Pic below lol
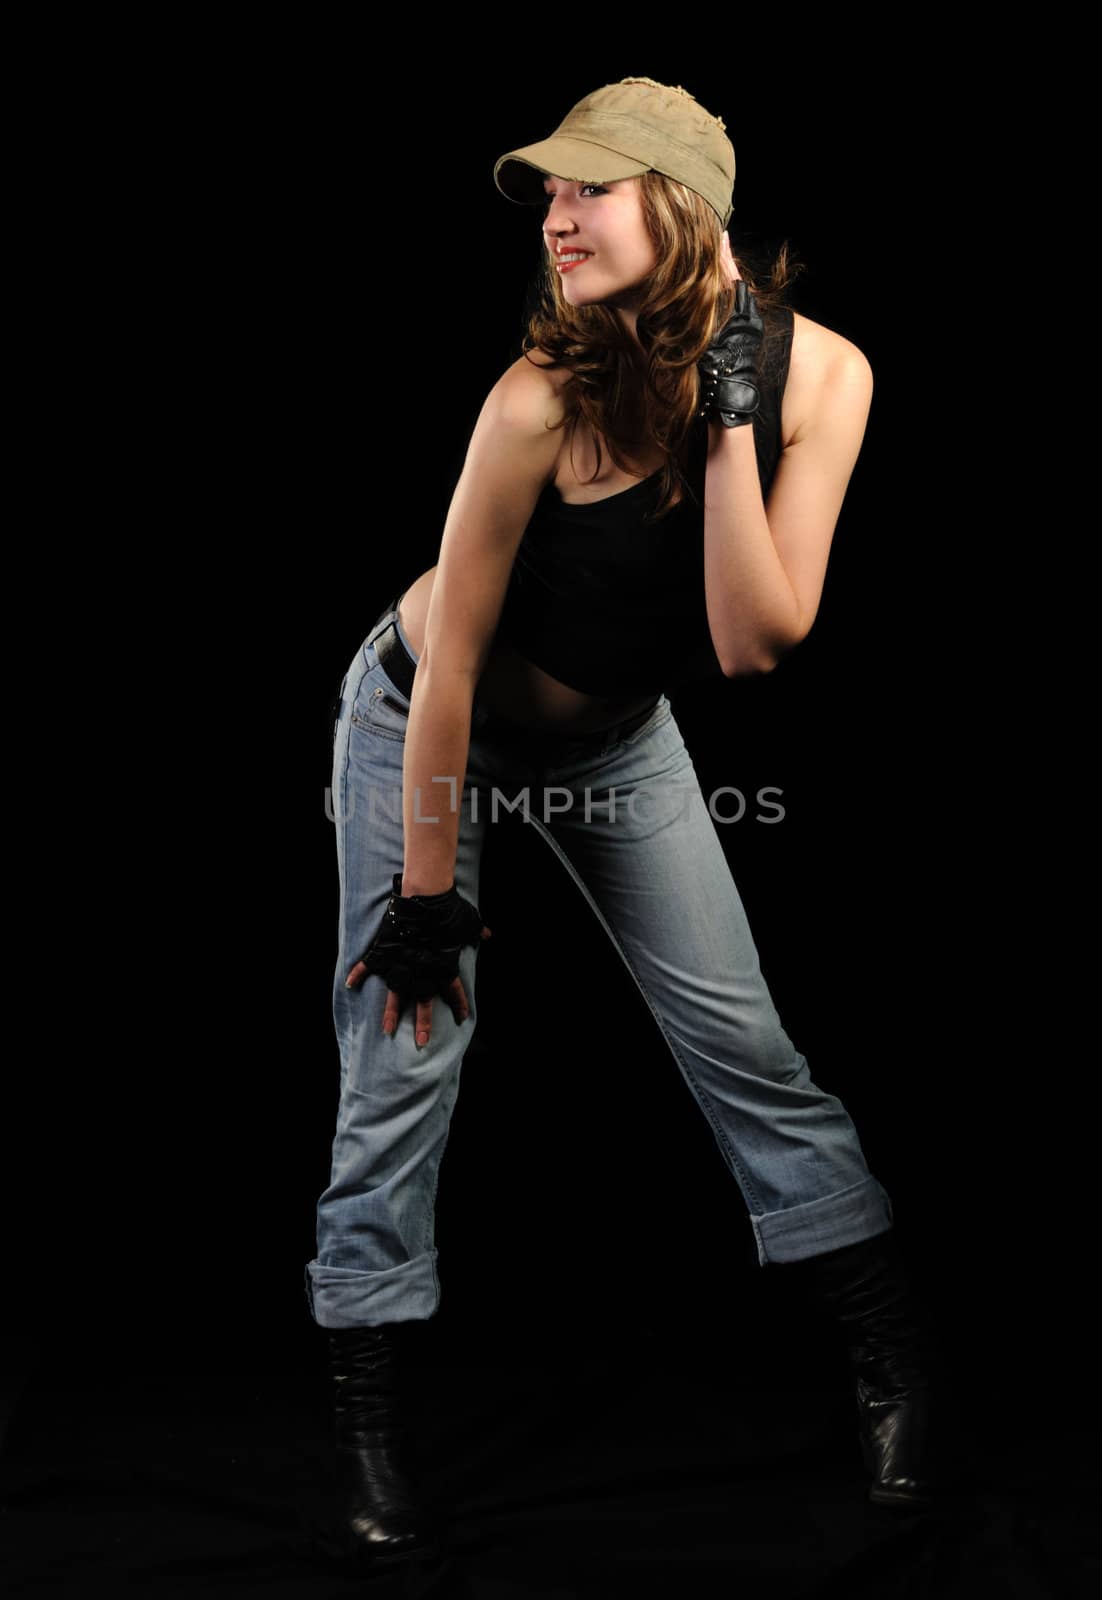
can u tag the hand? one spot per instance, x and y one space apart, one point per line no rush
729 262
729 367
416 950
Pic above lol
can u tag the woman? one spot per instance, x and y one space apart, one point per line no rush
648 497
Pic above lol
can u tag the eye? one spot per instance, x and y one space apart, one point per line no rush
547 198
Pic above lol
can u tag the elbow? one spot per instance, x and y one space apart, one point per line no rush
752 664
774 650
749 667
766 658
773 655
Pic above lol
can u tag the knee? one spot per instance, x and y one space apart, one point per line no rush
770 1053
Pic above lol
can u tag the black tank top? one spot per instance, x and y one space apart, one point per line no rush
611 604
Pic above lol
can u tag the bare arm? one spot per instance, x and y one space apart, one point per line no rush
765 569
510 457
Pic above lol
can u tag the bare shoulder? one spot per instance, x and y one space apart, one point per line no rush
533 385
816 348
825 370
518 420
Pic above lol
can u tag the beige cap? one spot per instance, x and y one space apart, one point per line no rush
622 130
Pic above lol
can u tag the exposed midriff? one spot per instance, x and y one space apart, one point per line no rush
512 686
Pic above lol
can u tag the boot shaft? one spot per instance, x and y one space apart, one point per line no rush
867 1291
382 1514
364 1372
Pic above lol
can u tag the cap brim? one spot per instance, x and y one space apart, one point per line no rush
520 174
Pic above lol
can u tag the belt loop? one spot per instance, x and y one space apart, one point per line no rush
381 622
610 738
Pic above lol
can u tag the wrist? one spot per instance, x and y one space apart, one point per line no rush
730 440
406 886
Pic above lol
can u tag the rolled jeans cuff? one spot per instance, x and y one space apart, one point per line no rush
342 1297
839 1219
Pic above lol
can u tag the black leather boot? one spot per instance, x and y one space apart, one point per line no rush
865 1288
382 1520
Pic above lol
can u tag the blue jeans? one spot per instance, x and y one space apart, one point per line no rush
627 819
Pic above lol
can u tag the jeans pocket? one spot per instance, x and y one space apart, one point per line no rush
379 707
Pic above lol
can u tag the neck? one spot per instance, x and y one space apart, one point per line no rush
627 316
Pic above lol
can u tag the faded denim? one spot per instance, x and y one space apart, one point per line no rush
649 862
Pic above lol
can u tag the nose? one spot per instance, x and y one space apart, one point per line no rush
557 219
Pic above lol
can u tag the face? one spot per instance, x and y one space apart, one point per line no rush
606 221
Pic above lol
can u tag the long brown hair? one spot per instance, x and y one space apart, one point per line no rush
686 302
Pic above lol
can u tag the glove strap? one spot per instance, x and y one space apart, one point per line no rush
732 401
429 901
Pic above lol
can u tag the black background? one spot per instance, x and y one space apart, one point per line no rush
346 285
370 289
330 284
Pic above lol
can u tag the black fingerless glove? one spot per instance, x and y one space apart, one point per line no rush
728 368
417 946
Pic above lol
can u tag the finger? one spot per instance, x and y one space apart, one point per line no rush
356 976
487 934
457 999
393 1011
424 1021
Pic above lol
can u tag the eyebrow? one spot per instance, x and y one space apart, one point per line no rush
604 182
